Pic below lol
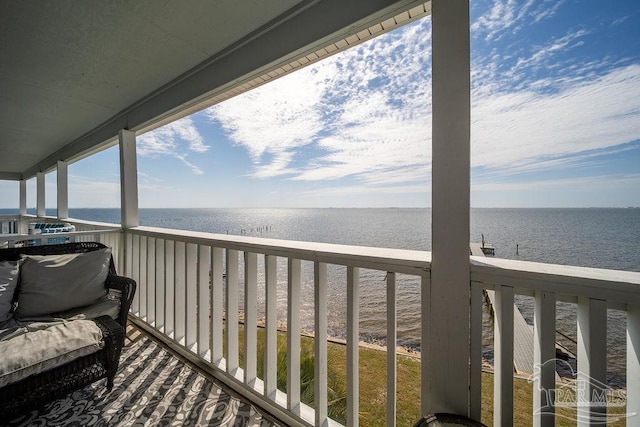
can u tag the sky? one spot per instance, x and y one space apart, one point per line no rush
555 123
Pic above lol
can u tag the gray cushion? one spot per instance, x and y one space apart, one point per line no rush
55 283
104 306
9 271
44 349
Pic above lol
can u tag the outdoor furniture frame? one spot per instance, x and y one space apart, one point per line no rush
37 390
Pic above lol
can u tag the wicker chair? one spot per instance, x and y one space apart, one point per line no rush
37 390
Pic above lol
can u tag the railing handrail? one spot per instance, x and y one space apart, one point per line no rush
613 286
21 237
386 259
75 221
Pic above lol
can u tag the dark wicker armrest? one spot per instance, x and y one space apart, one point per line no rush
126 287
113 336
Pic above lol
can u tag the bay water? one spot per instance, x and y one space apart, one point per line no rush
590 237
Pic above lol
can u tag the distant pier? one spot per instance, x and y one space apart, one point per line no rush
522 331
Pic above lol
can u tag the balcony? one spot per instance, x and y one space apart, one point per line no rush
113 72
203 294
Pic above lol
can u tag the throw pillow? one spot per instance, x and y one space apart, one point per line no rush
9 271
54 283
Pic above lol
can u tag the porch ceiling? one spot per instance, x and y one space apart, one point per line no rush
72 73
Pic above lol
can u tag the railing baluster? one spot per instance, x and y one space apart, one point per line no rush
320 362
271 327
231 305
133 266
143 277
204 258
425 336
179 292
544 353
633 359
503 357
160 286
170 288
293 335
151 281
217 304
475 391
191 289
353 345
250 317
592 361
392 339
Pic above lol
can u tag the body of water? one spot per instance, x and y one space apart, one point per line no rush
601 238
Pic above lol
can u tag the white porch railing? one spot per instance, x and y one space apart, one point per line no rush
593 292
183 294
190 286
86 231
188 290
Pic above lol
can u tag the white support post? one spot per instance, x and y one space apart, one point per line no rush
128 179
204 307
159 288
544 353
446 313
40 200
353 345
392 339
191 297
23 197
217 304
63 190
151 281
475 388
503 357
271 327
179 292
294 269
250 317
231 305
320 363
592 361
23 224
633 362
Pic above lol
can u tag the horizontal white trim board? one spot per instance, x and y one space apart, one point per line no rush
385 259
613 286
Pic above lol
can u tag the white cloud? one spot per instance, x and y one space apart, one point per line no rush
591 182
365 114
544 52
275 119
503 15
174 140
518 129
359 113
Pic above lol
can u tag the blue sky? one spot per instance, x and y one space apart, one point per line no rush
555 123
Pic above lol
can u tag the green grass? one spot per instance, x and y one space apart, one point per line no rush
373 387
